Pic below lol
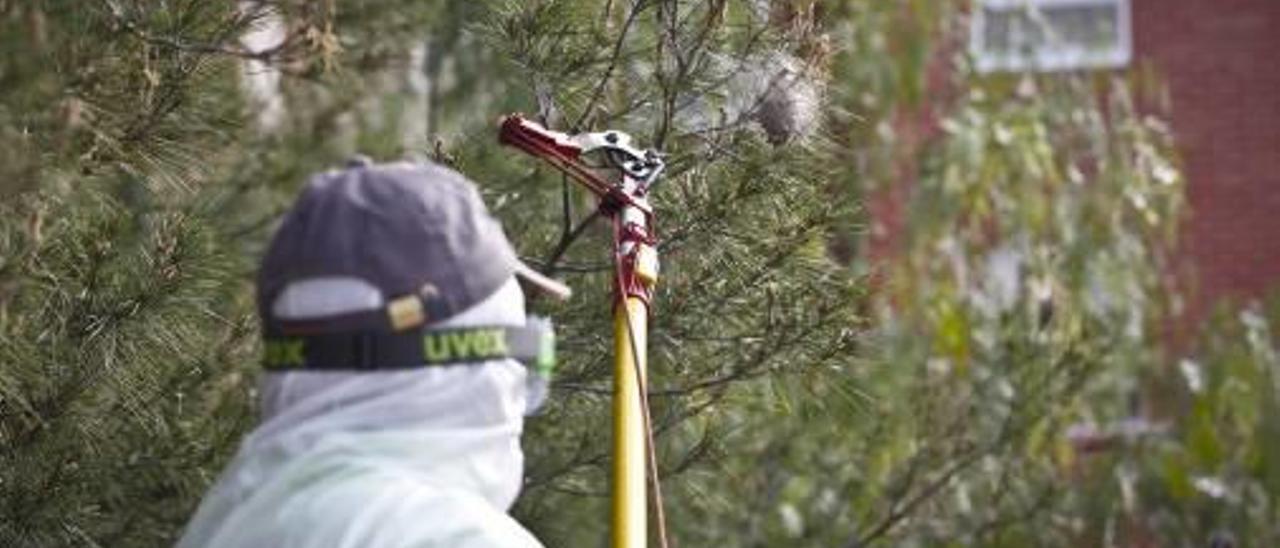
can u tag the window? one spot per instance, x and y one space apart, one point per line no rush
1050 35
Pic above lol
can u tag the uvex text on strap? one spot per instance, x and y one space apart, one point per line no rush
533 345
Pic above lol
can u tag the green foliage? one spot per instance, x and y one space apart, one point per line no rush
1016 386
116 382
1213 475
1018 312
1019 305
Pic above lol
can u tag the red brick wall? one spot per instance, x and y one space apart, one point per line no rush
1221 62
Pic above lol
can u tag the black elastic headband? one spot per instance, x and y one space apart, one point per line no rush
533 345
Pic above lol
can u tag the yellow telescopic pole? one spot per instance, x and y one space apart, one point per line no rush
637 273
629 497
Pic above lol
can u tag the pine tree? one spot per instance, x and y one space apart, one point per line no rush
134 197
752 309
118 320
130 236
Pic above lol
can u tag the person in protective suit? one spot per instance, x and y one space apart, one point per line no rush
399 366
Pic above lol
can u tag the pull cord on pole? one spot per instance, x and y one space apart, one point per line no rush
631 314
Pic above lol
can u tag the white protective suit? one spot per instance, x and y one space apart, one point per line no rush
419 458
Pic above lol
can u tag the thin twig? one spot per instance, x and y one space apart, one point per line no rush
614 57
550 266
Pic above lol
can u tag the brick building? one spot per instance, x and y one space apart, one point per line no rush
1220 61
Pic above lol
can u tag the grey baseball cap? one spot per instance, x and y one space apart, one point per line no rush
418 232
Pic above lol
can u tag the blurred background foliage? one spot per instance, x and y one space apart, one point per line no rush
903 303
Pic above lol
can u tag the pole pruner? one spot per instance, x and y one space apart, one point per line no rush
621 183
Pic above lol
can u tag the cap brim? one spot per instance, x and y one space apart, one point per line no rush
546 284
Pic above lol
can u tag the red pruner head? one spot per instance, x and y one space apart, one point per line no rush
558 149
536 140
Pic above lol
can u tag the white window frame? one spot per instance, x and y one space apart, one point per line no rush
1052 58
